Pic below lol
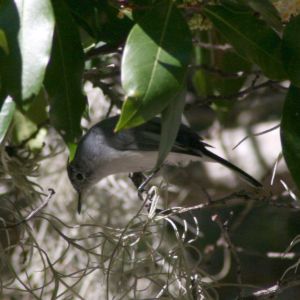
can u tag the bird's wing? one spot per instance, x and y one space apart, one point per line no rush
147 138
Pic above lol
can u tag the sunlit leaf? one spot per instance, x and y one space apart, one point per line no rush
28 26
64 76
154 65
290 132
26 133
6 115
291 50
23 128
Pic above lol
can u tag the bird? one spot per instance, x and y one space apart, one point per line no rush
102 152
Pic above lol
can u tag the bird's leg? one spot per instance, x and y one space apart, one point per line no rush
147 179
138 178
142 188
140 181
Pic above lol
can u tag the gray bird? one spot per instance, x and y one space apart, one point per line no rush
102 152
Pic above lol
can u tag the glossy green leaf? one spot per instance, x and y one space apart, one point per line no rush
6 115
154 65
250 36
290 132
64 76
267 11
171 120
3 42
29 29
291 50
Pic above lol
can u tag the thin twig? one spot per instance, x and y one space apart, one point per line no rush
33 213
231 246
102 50
115 249
210 98
273 291
255 134
221 73
223 47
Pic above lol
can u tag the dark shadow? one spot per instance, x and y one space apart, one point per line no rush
11 63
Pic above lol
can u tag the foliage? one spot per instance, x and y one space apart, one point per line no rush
167 57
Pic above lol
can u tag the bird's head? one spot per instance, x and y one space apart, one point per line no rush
85 168
80 176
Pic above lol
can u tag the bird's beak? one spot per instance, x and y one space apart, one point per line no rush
79 203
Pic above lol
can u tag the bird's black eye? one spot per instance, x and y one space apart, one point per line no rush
79 176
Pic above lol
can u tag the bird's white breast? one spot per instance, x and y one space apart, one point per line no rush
141 161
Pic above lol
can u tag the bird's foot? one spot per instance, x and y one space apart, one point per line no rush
147 179
141 181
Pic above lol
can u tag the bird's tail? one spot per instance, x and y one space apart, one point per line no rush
242 174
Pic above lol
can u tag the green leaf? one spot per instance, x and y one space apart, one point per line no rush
72 150
251 37
3 42
101 20
26 132
201 81
37 112
23 127
216 75
267 11
112 29
171 120
29 29
11 64
229 63
290 132
291 50
6 115
154 65
64 76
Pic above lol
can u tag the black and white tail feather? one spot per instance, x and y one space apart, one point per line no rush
242 174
